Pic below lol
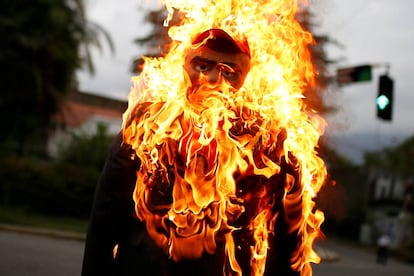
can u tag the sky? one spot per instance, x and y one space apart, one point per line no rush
375 32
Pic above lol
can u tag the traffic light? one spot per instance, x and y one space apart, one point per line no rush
384 99
354 74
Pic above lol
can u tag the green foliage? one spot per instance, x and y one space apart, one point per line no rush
86 150
40 50
22 216
40 54
63 188
343 197
44 187
396 159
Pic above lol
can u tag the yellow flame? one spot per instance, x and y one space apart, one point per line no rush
115 251
192 146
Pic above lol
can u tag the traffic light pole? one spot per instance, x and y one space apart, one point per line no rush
361 73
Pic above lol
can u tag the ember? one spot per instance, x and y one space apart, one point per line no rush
218 164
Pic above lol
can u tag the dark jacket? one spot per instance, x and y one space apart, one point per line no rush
113 222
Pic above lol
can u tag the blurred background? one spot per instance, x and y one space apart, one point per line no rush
66 75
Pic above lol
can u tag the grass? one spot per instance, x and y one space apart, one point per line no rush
21 216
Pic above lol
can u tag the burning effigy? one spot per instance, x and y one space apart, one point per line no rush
224 164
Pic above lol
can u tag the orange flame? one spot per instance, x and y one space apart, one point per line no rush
209 159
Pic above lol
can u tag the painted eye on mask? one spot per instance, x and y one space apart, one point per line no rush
202 66
228 72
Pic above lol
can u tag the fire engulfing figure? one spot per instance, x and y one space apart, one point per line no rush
220 166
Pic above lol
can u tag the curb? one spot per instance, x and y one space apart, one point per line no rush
326 255
43 232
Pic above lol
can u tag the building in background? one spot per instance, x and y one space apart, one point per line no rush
82 113
390 208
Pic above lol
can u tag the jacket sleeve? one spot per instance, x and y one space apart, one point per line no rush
113 210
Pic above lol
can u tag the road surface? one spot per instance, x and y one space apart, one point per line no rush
356 261
33 255
41 255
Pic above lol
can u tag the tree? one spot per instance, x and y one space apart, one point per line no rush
157 41
397 159
88 151
43 43
320 60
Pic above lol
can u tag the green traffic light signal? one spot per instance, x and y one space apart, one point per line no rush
384 101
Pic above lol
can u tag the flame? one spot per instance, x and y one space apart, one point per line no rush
115 251
213 157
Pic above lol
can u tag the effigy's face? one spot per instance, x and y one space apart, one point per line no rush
204 65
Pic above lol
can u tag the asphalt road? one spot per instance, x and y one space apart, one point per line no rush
34 255
355 261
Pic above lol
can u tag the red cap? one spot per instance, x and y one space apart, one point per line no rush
220 41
